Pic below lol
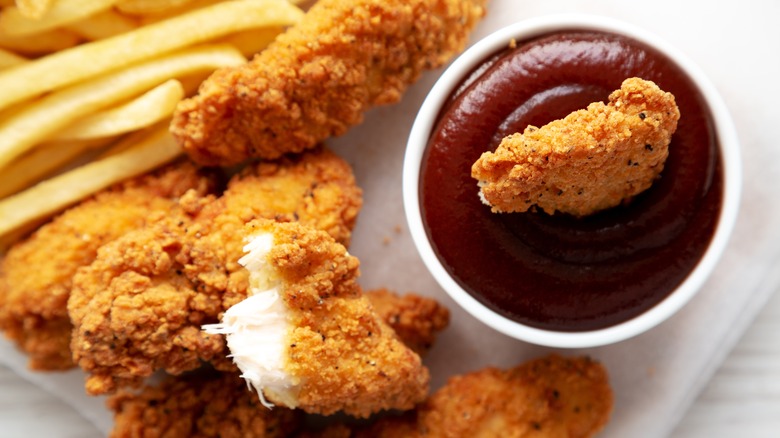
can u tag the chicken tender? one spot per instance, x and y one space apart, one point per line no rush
319 77
140 305
306 337
549 397
199 405
591 160
36 273
416 320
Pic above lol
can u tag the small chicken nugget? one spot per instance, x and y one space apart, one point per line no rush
551 396
198 406
591 160
415 319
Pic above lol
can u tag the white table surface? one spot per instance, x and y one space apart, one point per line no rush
738 45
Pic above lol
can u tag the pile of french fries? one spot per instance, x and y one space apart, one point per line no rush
88 87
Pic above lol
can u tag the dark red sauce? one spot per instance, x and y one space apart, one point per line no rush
558 272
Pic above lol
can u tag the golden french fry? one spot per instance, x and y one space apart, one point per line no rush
63 190
40 119
15 23
103 25
133 139
42 162
145 110
10 59
40 44
34 9
251 42
193 5
88 60
143 7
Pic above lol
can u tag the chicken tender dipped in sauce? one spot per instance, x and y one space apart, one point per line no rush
591 160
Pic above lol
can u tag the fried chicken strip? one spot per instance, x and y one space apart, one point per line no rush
319 77
306 337
552 397
591 160
140 305
198 406
36 273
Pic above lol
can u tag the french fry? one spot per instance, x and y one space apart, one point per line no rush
63 190
133 139
44 161
10 59
40 119
88 60
103 25
15 23
34 9
146 110
40 44
253 41
144 7
147 19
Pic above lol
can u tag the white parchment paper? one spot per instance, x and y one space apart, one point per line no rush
656 375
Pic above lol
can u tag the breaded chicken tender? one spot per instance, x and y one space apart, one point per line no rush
591 160
139 306
36 273
416 320
317 79
199 406
306 337
551 397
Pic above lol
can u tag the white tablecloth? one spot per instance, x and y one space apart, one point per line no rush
656 375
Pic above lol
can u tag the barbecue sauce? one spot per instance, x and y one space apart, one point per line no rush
560 272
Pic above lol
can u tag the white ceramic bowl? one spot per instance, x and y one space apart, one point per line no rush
421 131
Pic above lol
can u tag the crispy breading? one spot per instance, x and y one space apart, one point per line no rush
36 273
345 358
591 160
317 189
140 305
415 319
551 397
199 406
318 78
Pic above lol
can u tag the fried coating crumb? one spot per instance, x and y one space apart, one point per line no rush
548 397
36 273
319 77
199 405
140 305
415 319
591 160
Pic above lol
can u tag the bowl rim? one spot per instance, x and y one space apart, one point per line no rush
424 122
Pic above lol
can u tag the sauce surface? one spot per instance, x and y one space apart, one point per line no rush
559 272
